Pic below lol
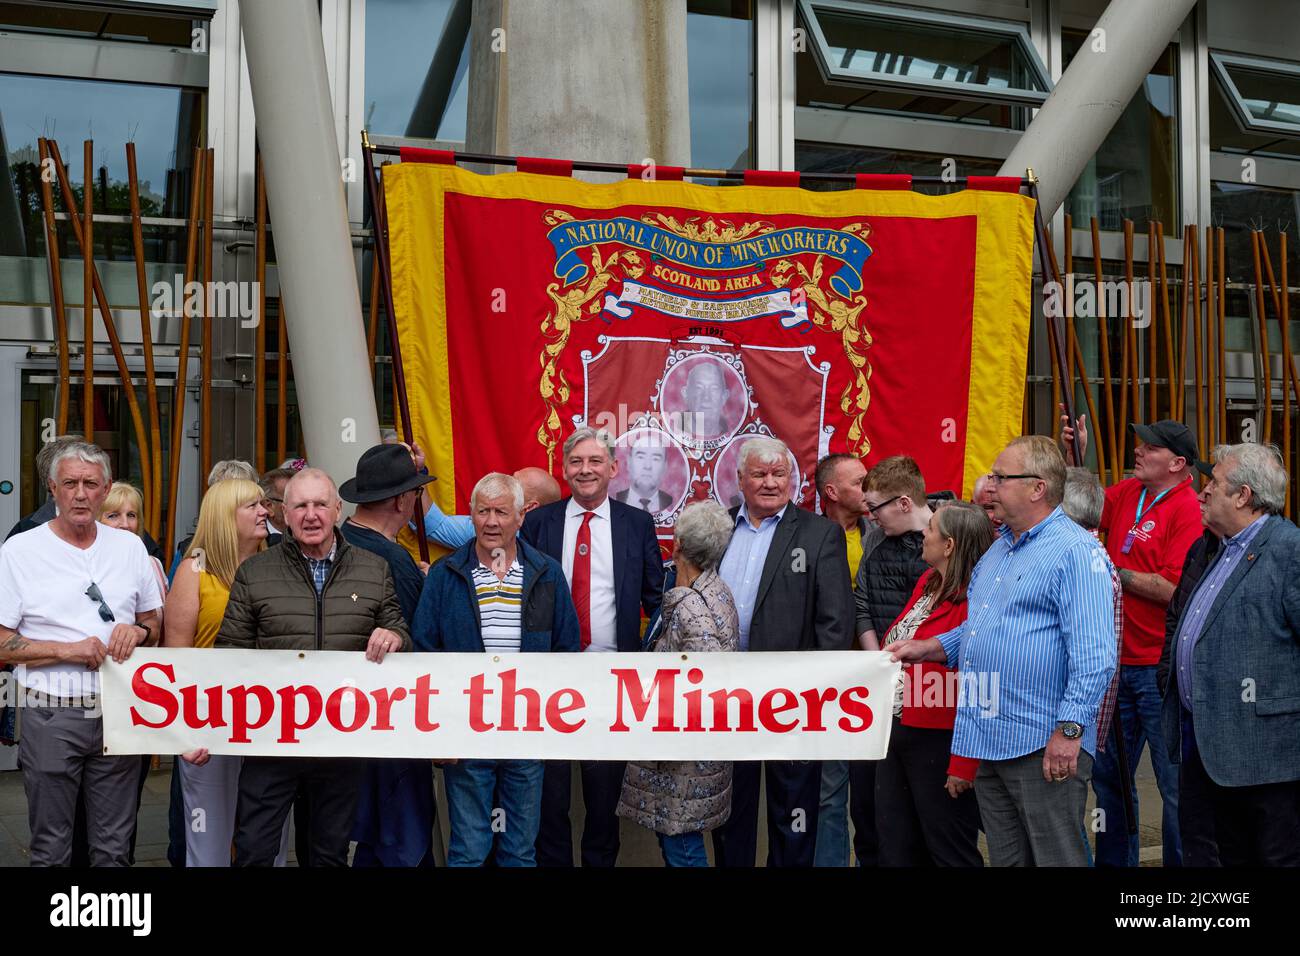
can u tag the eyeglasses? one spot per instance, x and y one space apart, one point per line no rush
995 479
872 509
105 612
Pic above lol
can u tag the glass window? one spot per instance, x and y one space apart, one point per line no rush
956 69
1227 135
165 123
1134 175
831 158
100 24
1242 207
720 76
417 56
1265 94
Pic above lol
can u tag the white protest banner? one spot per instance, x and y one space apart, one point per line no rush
761 706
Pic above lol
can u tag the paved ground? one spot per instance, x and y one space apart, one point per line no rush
639 847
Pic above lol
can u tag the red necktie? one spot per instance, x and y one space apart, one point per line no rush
581 585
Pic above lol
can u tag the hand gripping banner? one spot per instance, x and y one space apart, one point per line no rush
807 705
685 319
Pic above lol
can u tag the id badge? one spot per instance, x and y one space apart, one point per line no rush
1128 542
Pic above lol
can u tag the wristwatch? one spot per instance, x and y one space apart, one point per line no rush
1070 729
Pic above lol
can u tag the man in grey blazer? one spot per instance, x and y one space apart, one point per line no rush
788 571
1232 708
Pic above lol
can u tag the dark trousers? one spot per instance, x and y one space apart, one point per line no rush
267 788
1250 826
793 796
862 811
918 823
602 782
1195 804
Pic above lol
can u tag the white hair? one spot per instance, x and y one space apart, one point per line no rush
231 468
495 484
1084 498
1259 468
766 450
586 432
702 533
82 451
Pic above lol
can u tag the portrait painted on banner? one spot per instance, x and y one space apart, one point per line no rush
653 473
704 398
726 482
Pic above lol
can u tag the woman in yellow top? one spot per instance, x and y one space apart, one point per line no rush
232 528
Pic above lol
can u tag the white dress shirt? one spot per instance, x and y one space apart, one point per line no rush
604 633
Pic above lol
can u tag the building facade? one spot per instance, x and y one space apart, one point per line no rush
942 88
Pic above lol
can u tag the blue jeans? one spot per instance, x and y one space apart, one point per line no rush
475 818
683 849
1137 711
833 815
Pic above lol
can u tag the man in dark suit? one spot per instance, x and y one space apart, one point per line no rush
788 571
1232 707
612 562
647 461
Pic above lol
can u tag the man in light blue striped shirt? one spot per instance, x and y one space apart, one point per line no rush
1035 656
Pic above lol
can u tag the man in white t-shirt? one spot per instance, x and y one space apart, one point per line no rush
73 592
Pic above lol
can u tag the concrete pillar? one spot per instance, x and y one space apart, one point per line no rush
304 186
1093 92
602 80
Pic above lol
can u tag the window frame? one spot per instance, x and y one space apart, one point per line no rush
1018 33
1221 61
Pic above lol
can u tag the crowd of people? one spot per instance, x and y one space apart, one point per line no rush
1050 631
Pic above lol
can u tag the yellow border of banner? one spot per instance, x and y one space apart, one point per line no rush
1001 312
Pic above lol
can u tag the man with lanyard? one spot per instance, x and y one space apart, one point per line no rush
1150 521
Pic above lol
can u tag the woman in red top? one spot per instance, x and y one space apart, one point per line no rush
926 813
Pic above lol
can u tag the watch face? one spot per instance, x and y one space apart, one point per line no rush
1072 731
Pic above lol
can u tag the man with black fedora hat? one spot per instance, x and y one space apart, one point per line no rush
395 813
1150 522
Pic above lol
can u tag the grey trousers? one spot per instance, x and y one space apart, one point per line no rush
1029 821
62 753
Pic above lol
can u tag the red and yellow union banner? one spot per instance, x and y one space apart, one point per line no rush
685 319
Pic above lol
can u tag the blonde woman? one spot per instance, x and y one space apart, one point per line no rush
232 528
124 508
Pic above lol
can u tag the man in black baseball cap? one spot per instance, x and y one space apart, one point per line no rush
1150 521
394 819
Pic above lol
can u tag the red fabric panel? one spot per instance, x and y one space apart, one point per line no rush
770 177
666 173
883 181
1003 184
415 154
545 167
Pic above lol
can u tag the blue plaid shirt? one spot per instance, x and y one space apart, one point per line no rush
320 567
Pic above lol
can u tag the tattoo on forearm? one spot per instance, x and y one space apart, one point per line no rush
16 643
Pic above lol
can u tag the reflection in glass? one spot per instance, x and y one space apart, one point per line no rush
1269 96
417 56
164 122
720 77
879 49
870 45
1227 135
1241 207
1134 174
100 24
830 158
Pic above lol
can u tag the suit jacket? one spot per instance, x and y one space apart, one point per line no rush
1246 684
638 564
662 502
805 598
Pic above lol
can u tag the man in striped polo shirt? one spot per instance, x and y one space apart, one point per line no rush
1035 656
495 594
